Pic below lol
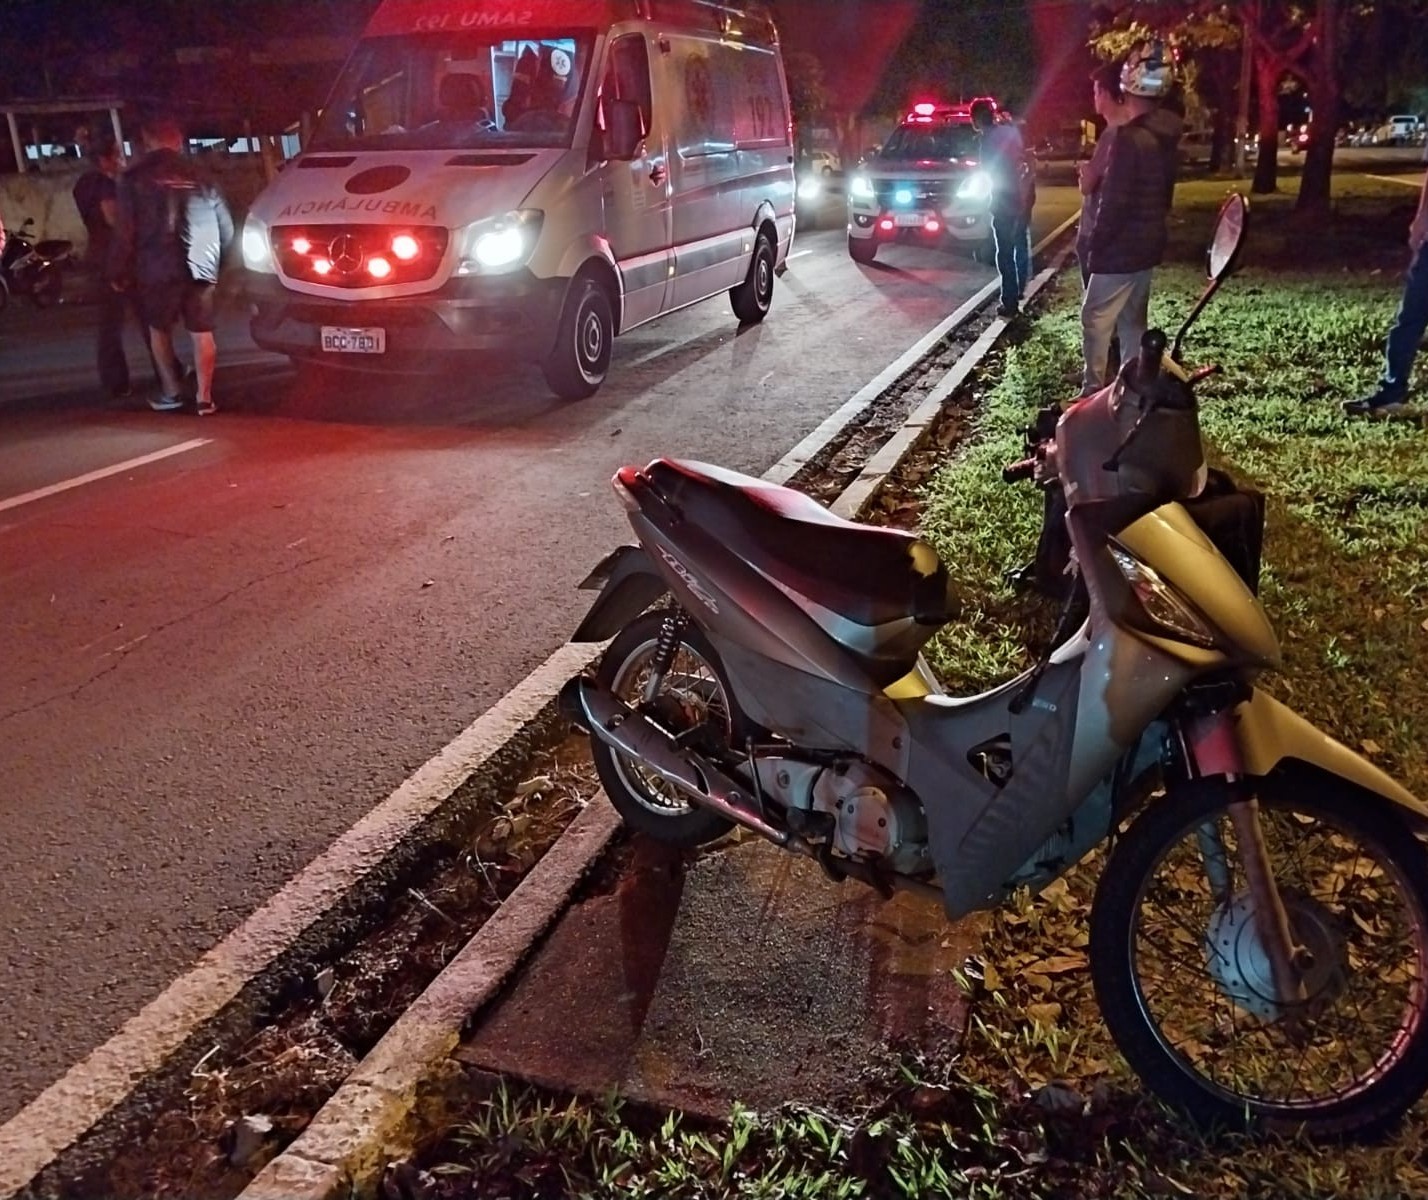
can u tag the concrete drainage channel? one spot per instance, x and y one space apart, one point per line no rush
109 1101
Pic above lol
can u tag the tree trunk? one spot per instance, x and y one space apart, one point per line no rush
1313 202
1266 164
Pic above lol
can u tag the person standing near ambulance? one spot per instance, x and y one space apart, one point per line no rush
1003 159
171 232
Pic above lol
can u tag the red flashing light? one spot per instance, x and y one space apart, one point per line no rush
933 225
379 268
405 247
301 246
924 109
321 266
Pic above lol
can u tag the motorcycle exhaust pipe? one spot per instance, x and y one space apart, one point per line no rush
604 715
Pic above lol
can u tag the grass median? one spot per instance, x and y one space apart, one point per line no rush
1037 1102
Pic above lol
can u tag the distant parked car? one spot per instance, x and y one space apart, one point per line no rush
1404 130
825 162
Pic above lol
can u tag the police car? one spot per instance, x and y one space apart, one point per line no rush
922 185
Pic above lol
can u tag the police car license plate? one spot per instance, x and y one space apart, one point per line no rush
337 340
910 218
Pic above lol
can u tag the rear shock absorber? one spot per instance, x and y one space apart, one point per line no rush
671 630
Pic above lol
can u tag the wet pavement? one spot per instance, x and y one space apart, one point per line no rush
744 975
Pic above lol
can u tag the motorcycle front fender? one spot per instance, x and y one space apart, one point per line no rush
1272 738
628 584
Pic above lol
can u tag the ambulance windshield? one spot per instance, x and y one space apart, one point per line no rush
444 91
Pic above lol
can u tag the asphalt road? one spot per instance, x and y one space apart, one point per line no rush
215 662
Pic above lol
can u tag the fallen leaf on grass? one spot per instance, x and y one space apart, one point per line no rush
1370 747
1044 1014
1058 964
541 783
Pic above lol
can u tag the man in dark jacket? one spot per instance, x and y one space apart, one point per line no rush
1003 159
171 231
1128 235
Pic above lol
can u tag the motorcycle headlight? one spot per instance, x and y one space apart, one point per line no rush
860 187
1162 603
500 244
977 186
257 250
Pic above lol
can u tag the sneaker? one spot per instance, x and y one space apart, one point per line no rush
1008 310
166 403
1376 404
206 408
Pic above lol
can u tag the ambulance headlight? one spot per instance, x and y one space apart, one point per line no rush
500 244
977 186
257 250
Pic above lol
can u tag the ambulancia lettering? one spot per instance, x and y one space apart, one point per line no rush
411 209
475 19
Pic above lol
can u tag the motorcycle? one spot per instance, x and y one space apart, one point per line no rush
1258 937
31 268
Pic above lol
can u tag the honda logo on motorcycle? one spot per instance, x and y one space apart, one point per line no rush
696 589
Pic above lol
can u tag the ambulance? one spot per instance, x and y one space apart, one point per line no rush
527 179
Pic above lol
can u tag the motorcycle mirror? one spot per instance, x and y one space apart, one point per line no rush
1226 242
1229 237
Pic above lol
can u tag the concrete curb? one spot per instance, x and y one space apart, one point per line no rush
368 1121
85 1103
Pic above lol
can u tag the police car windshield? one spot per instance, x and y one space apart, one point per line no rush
942 140
443 91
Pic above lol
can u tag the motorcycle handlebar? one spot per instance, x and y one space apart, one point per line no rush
1018 471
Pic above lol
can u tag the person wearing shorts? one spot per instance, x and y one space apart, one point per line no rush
172 231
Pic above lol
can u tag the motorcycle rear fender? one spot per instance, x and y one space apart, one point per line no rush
628 584
1269 738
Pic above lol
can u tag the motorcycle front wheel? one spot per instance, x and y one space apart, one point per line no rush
663 665
1185 979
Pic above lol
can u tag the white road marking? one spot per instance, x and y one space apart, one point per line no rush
143 460
797 254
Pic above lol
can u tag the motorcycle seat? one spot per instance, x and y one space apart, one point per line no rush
866 574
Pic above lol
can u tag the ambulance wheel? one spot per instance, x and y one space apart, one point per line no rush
580 361
752 298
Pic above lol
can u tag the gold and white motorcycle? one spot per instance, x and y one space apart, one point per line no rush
1259 935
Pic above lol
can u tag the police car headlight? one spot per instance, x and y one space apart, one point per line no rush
861 188
500 244
810 188
977 186
257 250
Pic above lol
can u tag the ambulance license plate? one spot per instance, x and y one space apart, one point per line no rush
339 340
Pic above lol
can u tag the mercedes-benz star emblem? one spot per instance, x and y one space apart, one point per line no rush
345 254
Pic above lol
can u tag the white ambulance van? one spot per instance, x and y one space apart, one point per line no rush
526 179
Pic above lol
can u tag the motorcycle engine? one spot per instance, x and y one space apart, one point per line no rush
873 817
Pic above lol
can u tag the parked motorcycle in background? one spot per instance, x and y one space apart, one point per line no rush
1259 934
33 269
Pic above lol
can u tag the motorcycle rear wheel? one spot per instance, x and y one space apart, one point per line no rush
692 692
1182 977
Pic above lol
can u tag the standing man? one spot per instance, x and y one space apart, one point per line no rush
1110 106
95 197
1406 332
1133 199
172 230
1003 159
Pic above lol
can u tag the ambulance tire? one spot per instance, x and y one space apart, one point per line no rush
752 298
577 366
862 250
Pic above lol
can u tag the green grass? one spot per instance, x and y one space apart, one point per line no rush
1346 549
